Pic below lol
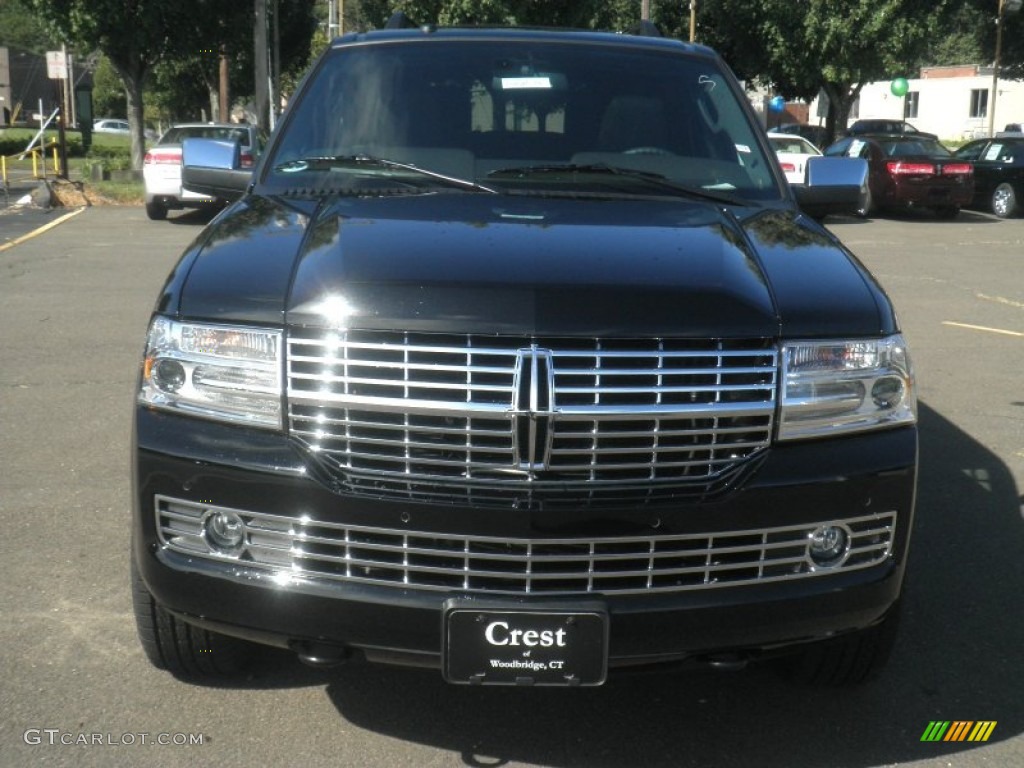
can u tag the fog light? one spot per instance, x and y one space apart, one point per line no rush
224 531
828 545
887 393
169 375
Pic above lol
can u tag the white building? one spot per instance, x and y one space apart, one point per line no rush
952 102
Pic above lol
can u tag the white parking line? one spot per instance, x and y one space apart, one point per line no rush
1001 300
983 328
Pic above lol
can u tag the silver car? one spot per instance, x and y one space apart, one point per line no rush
161 169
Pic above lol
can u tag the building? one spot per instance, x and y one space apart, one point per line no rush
952 102
24 85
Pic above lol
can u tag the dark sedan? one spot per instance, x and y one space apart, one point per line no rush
998 174
910 172
880 125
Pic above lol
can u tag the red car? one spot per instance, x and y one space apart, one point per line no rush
910 172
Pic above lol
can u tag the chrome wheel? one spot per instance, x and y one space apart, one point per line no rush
1004 201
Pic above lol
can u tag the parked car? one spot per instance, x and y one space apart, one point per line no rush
909 172
816 134
110 125
161 168
874 126
517 358
998 174
793 152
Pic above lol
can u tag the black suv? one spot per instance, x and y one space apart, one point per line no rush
516 357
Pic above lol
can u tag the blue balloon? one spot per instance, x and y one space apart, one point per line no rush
777 104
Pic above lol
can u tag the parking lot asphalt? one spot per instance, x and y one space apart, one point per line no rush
77 691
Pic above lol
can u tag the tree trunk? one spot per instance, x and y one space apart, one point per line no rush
841 97
133 90
133 78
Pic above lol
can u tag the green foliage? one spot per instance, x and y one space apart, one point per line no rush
108 98
21 28
585 14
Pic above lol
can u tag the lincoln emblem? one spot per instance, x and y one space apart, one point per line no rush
533 408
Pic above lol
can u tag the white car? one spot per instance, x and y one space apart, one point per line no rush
793 152
110 125
161 168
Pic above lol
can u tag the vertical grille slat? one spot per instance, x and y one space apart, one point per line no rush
499 419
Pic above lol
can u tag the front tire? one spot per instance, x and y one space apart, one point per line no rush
846 660
180 648
867 205
1004 201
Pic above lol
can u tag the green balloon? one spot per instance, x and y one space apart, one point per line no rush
899 86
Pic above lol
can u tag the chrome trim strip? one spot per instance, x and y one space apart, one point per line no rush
300 548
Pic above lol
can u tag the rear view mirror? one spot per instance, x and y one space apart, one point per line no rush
213 167
835 185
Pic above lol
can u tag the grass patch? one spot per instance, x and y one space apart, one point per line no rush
119 192
108 151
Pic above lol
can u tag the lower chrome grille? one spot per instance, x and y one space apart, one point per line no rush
524 419
312 549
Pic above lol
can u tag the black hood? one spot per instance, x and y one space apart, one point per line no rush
501 264
530 266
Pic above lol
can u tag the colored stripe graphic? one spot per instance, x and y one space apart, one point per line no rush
982 730
959 730
935 731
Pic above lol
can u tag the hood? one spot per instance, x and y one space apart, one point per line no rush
526 266
453 263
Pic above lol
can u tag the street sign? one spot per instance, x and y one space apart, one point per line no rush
56 66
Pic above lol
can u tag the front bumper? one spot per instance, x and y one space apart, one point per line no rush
801 484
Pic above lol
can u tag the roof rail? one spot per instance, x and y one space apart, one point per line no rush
399 20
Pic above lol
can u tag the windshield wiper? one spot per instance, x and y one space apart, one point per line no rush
650 178
355 162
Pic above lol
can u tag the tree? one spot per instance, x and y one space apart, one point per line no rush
21 28
136 35
1012 53
133 34
108 97
184 85
837 46
550 13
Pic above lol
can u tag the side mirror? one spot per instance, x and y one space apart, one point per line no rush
212 167
835 185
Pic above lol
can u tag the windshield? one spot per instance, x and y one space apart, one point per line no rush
914 148
510 114
177 134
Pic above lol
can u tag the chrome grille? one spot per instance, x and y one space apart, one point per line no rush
429 415
306 548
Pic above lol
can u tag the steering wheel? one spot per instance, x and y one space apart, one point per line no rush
646 151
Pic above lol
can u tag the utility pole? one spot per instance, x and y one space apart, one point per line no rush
262 84
1005 6
223 89
645 10
693 20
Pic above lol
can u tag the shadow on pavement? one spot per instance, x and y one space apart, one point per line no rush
957 658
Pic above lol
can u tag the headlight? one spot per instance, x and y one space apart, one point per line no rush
229 373
845 386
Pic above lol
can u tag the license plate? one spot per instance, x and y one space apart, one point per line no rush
494 644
